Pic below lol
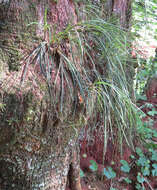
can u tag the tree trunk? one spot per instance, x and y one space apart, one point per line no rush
38 149
38 133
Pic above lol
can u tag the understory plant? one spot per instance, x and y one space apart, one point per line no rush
88 62
142 164
145 71
145 165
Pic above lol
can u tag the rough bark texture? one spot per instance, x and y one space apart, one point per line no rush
30 157
37 149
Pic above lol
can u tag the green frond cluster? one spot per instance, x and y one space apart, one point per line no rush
87 64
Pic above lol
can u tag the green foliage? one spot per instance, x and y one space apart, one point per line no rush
12 121
2 106
95 69
144 28
109 173
153 112
127 180
139 151
154 170
110 88
125 166
139 187
140 179
145 164
154 154
93 166
46 25
82 174
144 128
146 69
144 14
145 171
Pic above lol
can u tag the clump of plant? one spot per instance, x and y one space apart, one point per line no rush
145 71
145 129
89 59
145 165
108 172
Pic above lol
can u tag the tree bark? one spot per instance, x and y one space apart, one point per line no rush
38 150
